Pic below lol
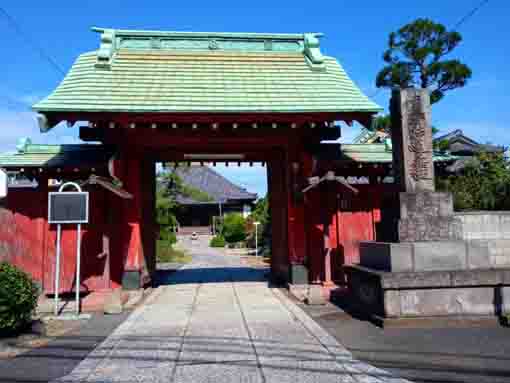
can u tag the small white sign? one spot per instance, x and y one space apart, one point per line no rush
3 183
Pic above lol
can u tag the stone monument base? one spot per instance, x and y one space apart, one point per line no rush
431 293
434 255
434 278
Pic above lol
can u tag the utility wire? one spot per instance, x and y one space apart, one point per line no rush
31 42
470 14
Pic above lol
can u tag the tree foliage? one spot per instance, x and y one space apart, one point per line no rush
261 213
483 185
169 187
416 58
233 228
382 123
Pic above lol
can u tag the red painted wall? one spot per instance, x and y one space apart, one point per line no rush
352 218
27 241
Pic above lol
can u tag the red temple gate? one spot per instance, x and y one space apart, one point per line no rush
155 96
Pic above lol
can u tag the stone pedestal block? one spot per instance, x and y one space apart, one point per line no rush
387 256
431 293
428 216
426 204
427 256
298 274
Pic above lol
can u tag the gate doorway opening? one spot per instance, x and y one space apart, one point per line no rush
193 199
181 160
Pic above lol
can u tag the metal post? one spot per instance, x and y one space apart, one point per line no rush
78 267
256 241
57 268
256 223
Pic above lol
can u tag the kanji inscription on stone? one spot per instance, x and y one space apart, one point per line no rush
412 140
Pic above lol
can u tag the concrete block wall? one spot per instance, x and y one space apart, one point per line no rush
492 227
485 225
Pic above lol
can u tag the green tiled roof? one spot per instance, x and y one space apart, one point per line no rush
172 72
32 155
379 153
53 156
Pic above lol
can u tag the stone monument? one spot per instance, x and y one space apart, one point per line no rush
424 214
432 270
412 140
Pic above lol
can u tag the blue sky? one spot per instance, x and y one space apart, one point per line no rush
355 33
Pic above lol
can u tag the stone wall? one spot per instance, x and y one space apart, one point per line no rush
492 228
485 224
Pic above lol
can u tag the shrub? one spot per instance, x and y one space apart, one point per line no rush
217 241
234 228
484 183
167 234
18 299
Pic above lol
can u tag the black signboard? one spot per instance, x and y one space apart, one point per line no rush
68 207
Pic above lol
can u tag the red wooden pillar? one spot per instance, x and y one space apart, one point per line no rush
330 228
277 192
299 167
315 235
135 264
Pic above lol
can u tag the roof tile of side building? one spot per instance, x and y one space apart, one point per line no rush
379 153
203 178
28 154
176 72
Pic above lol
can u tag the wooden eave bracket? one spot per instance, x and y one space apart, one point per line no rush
45 122
108 185
328 177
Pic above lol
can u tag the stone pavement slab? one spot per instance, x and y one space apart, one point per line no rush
216 320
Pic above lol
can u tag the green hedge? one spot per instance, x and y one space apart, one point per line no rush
217 241
18 299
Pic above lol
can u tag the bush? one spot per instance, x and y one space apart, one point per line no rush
234 228
167 234
18 299
484 184
217 241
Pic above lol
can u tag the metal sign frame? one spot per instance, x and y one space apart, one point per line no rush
4 181
78 242
50 203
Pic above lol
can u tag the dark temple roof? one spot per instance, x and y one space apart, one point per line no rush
458 142
214 184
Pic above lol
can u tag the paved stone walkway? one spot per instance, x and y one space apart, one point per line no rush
216 320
